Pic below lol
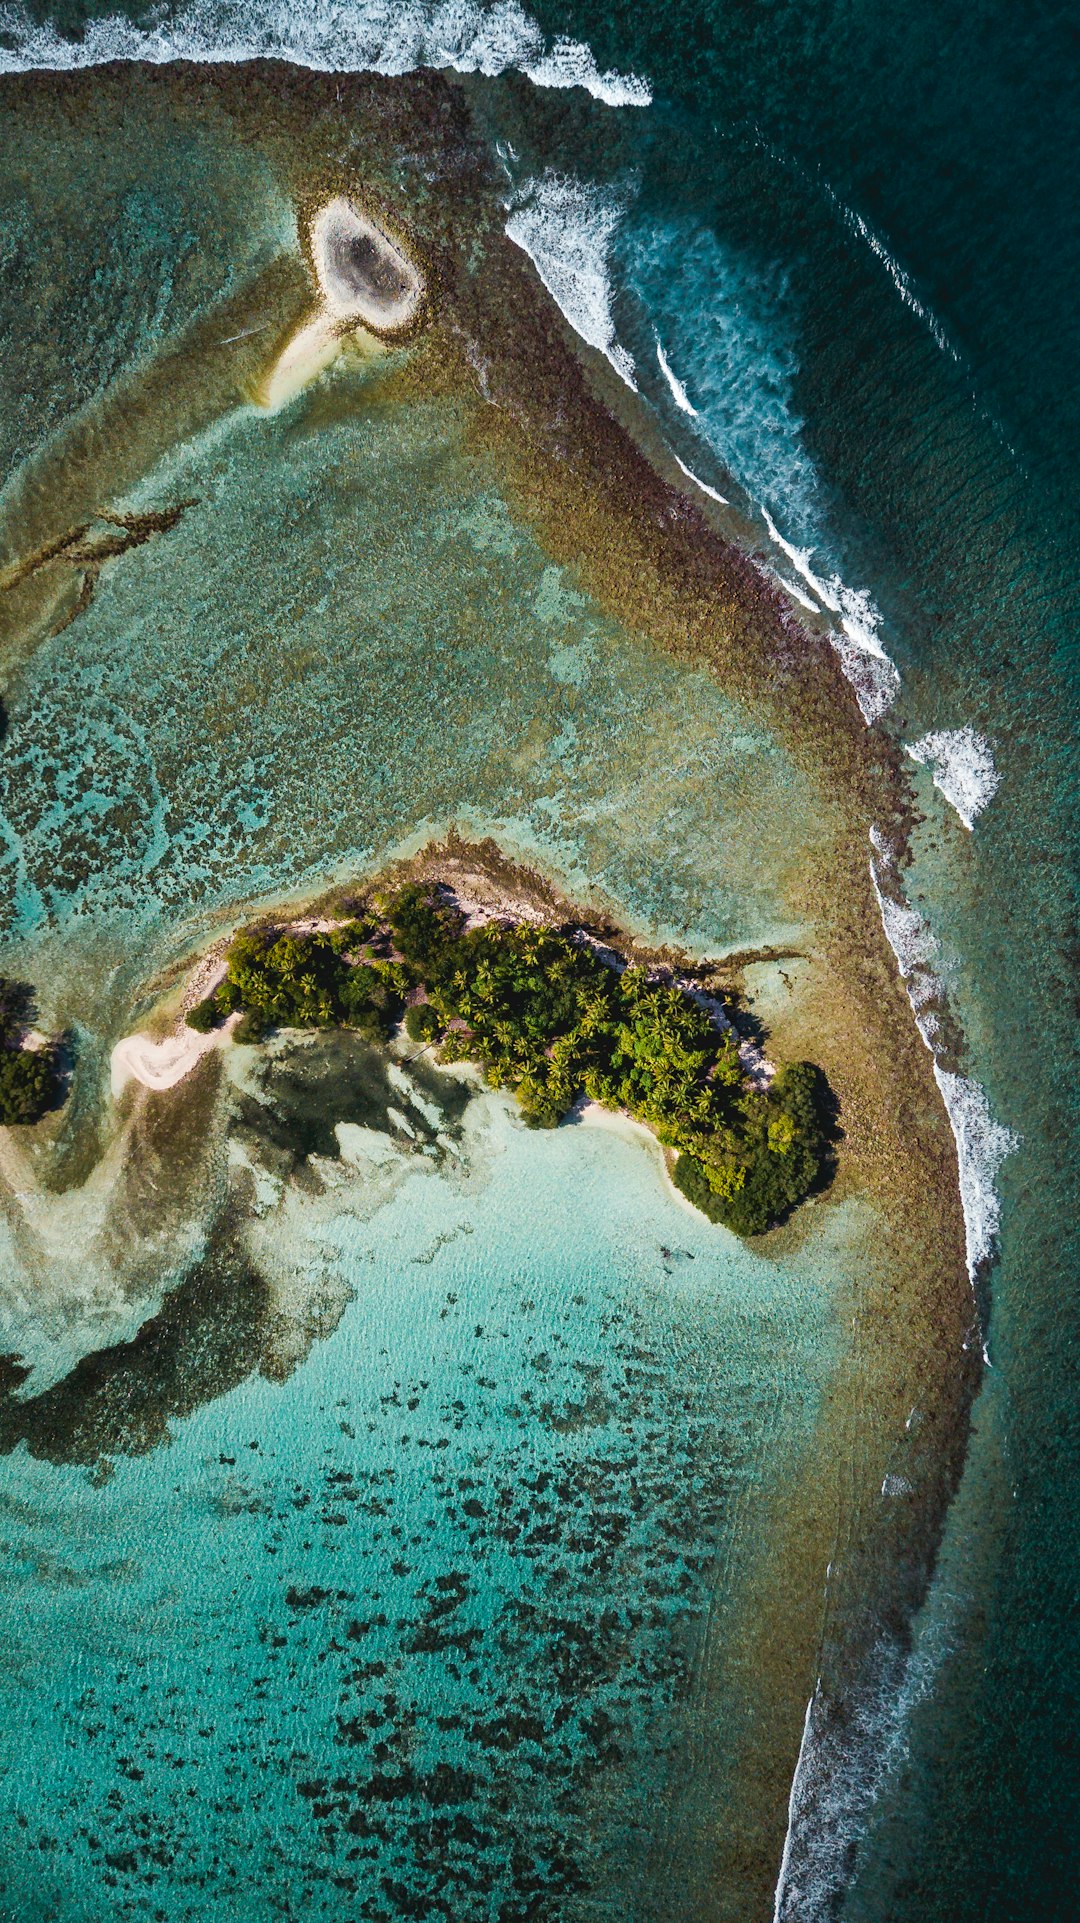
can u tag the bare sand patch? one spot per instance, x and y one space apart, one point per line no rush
162 1064
369 291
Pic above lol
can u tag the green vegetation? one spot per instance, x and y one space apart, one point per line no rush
549 1019
311 981
29 1077
204 1016
422 1023
781 1160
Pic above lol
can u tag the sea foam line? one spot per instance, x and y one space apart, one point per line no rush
844 1767
982 1142
900 280
565 226
862 657
359 36
963 768
682 398
794 1803
704 486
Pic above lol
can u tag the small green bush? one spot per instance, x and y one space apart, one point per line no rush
251 1027
227 997
28 1084
29 1077
422 1023
204 1016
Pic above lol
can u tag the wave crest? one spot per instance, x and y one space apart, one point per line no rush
565 226
855 637
982 1143
359 36
962 764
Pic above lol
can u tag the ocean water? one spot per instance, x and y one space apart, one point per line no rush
412 1629
827 256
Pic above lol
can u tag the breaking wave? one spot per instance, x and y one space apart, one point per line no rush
565 226
855 636
712 492
900 280
848 1756
328 36
681 397
982 1143
725 332
963 768
721 324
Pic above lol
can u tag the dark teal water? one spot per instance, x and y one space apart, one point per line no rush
951 130
902 396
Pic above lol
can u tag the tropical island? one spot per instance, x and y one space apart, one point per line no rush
554 1017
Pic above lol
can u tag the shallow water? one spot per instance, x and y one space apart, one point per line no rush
407 656
398 1629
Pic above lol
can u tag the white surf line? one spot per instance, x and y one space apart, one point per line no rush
565 226
796 592
864 661
682 398
982 1142
793 1810
367 36
900 280
698 482
963 768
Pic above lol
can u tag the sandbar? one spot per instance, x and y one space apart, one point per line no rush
363 275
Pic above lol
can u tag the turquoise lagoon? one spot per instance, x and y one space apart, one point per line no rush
424 1628
389 1537
344 646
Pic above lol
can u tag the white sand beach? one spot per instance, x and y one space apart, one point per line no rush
369 290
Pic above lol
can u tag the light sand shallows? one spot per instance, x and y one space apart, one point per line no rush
364 276
369 288
138 1058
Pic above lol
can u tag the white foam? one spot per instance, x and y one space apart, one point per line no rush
963 768
795 591
896 274
729 328
844 1766
682 398
981 1146
703 485
565 227
794 1805
982 1143
328 36
855 638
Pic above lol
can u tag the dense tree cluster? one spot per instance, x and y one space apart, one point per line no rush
317 980
29 1077
548 1017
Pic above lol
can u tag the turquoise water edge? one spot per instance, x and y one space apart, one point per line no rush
407 1514
422 1610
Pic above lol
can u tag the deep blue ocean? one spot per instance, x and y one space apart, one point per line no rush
835 247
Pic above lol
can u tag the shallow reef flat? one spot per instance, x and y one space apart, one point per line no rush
441 590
